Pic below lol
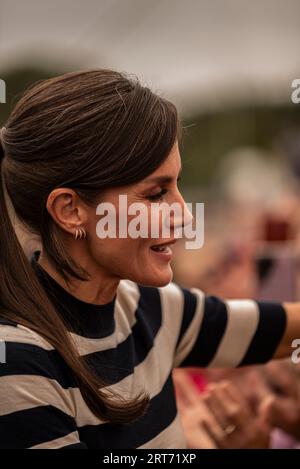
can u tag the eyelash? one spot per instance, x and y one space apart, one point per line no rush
161 193
158 195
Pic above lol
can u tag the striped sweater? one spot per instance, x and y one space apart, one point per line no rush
133 342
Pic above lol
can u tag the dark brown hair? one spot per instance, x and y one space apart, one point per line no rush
88 131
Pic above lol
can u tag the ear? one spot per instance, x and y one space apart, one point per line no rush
67 209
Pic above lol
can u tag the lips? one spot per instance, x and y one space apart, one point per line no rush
163 247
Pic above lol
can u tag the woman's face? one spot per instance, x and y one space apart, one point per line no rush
139 259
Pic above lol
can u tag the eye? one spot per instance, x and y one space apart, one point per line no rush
157 196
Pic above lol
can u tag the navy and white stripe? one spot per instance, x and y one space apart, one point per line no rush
148 331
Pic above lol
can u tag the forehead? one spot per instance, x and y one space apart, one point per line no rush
171 165
167 172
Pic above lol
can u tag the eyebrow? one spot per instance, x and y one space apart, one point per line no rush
162 179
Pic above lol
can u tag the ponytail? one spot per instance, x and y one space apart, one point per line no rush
23 301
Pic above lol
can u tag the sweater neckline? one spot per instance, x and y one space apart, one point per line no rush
83 318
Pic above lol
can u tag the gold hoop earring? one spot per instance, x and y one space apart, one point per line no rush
80 233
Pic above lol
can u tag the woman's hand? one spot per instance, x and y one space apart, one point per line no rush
282 409
195 420
194 413
238 425
219 418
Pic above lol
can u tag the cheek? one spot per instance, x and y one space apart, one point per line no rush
130 259
119 252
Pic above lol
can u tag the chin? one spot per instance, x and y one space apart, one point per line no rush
160 280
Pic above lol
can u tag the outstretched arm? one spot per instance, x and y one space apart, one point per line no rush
292 330
229 333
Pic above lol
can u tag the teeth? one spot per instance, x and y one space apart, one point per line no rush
160 248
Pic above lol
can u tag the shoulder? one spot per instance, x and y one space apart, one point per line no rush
25 352
167 308
12 332
135 296
169 297
129 289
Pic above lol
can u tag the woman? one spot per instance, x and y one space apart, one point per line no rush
93 326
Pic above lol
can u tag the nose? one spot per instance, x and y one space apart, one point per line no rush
185 218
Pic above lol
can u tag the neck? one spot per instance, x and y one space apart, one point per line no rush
99 290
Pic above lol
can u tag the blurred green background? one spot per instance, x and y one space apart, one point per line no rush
228 66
